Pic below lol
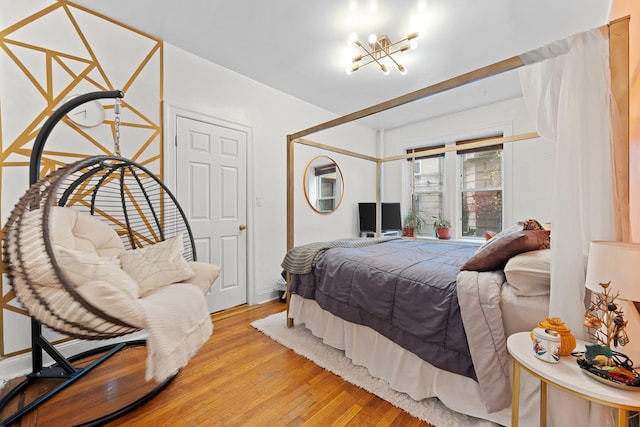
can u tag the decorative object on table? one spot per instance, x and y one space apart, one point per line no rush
606 324
442 227
566 338
605 320
610 263
609 367
546 345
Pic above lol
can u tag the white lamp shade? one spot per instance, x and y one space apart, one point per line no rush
615 262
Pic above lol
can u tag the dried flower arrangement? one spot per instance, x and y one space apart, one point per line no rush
605 320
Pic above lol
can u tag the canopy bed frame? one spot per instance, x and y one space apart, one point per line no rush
617 33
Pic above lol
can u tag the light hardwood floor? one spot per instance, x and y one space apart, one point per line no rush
239 378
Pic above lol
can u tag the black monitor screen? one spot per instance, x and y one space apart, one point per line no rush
391 217
367 216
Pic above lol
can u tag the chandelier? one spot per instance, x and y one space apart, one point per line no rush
380 48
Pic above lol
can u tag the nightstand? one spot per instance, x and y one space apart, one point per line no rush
567 376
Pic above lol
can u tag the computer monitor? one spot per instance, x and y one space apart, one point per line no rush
391 216
367 216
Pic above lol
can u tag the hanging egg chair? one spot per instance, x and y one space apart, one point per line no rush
65 246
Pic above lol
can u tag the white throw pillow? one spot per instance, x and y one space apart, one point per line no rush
82 267
204 275
529 273
157 265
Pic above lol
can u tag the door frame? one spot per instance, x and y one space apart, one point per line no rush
169 160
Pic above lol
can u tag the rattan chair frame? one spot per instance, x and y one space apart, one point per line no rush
115 190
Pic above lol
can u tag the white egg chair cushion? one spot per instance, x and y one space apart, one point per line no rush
175 315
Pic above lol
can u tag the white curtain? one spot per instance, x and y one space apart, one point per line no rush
566 87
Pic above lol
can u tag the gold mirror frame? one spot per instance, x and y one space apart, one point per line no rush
324 168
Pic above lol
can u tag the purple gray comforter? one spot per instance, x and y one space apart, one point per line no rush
404 289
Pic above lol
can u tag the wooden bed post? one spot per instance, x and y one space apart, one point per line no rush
290 213
378 199
619 67
290 195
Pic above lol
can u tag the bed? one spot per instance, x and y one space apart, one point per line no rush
507 299
406 311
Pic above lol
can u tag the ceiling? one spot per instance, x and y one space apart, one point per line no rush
300 47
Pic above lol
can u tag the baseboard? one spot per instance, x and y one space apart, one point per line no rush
20 365
267 295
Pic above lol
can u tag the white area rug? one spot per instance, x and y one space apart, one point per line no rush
303 342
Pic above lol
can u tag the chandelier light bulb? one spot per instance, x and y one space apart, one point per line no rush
372 39
353 37
352 69
413 44
402 69
384 69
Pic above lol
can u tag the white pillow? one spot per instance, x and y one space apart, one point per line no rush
157 265
82 267
204 275
78 230
529 273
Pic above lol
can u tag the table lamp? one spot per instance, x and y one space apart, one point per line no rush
613 271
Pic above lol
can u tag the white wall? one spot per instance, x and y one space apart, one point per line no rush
528 163
194 84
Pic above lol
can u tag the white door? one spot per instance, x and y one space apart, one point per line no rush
211 186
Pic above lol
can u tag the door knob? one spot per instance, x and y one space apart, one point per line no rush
242 227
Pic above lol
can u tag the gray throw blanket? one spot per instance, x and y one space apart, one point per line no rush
302 259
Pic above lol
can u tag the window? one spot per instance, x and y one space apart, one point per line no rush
473 204
326 179
480 189
428 187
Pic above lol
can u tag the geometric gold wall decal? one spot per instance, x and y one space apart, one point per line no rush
47 54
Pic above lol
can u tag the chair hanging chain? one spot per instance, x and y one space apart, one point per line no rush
116 111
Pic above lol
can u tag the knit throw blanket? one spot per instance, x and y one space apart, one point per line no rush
302 259
178 323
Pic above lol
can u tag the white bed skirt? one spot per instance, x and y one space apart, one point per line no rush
406 372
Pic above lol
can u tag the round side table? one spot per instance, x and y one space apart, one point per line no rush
567 376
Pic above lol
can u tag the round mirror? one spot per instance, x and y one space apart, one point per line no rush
323 184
